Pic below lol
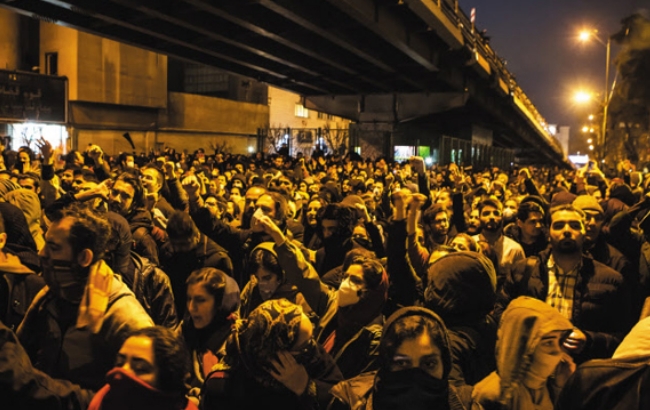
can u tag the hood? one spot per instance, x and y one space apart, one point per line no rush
7 185
388 345
28 202
636 343
461 287
522 326
11 264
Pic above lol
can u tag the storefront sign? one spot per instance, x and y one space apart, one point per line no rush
32 97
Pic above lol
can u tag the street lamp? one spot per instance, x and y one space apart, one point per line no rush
585 36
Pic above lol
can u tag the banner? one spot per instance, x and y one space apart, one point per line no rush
33 97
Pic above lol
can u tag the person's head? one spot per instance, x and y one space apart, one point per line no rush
183 234
152 179
235 194
80 176
215 205
127 161
275 326
73 243
252 195
490 215
126 195
74 159
278 162
464 242
415 338
436 221
212 296
474 222
335 221
530 219
510 207
528 346
273 205
265 270
311 214
25 155
461 287
363 276
594 216
567 230
156 356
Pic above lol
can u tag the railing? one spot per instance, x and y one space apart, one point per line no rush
303 140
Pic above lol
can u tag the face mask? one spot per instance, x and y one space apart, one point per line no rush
64 279
348 293
267 289
128 392
410 389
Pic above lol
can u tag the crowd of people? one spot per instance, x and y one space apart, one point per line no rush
216 281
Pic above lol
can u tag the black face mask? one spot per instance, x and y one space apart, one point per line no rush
410 389
64 278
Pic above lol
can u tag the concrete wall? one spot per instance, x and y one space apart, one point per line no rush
10 43
116 73
282 106
64 41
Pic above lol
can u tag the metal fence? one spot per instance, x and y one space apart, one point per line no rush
303 140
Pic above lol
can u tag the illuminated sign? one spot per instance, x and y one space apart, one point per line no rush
32 97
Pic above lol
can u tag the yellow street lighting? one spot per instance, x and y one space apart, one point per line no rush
585 129
582 97
591 148
589 141
591 117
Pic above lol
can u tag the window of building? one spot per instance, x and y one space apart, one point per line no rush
321 115
52 63
301 111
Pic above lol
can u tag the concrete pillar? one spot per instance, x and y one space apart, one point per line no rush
10 43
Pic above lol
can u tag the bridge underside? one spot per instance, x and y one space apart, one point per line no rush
356 50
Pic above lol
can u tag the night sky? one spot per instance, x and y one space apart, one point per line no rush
538 40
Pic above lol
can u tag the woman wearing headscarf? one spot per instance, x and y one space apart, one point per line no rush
272 361
351 333
528 355
415 361
279 270
212 305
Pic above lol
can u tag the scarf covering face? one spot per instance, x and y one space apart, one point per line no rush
124 391
411 388
272 327
461 287
523 324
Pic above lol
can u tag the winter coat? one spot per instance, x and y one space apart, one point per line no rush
602 303
18 286
57 347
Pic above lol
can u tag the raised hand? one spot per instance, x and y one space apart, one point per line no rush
191 186
46 150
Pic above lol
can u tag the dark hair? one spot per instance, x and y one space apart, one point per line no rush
214 282
525 209
410 327
29 152
371 267
89 230
280 205
86 174
161 177
263 258
181 226
35 178
171 356
138 189
495 203
430 214
2 224
473 245
343 214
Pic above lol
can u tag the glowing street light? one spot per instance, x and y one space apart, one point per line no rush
591 117
591 148
582 97
589 141
585 129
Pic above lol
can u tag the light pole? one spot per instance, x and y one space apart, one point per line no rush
585 36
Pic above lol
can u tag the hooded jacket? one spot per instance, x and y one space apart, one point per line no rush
522 327
462 290
358 393
29 203
619 383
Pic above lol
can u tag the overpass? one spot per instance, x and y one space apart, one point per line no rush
403 69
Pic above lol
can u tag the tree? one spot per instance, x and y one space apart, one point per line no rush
630 103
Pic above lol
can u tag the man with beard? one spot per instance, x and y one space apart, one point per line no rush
127 199
473 222
508 251
436 226
186 251
594 297
74 327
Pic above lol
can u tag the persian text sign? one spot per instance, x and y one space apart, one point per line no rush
32 97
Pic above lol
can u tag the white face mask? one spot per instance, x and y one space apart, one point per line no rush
348 293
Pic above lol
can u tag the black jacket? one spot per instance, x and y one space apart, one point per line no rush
602 303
